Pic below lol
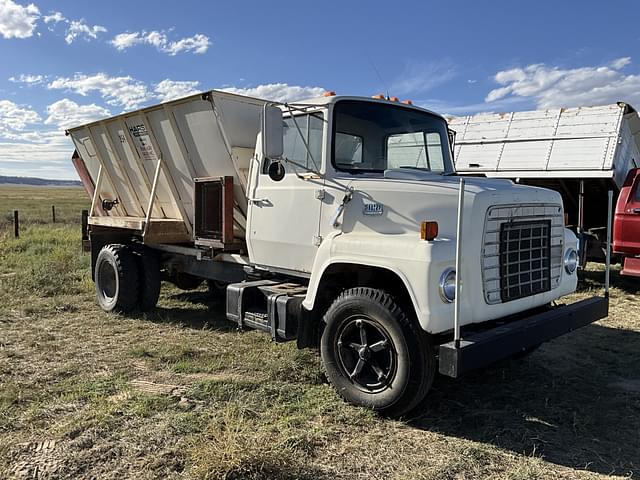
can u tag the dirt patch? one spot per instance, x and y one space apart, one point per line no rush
36 460
153 388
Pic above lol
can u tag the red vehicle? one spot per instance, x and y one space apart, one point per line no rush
626 224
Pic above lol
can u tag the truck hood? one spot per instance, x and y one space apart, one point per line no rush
400 201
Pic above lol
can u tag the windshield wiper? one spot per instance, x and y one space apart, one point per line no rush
423 169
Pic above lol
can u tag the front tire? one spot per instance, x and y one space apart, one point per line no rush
116 279
374 355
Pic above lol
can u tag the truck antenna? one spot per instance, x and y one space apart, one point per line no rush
384 84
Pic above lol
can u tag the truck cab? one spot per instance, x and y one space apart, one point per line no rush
337 222
373 173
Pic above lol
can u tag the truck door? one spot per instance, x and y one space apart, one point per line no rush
284 214
627 217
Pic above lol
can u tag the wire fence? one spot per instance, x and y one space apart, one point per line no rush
16 219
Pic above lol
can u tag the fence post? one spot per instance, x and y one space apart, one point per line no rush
85 223
86 244
16 224
53 213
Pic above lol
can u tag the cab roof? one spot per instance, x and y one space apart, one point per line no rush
330 99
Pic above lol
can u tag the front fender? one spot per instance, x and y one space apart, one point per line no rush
413 261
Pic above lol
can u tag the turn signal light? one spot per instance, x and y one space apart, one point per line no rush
428 230
330 93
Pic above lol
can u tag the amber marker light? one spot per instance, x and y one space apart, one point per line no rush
428 230
407 102
378 97
330 93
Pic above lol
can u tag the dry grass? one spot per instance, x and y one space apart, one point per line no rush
180 394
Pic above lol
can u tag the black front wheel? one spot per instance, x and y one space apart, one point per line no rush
374 355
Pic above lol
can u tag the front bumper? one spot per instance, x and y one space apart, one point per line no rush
480 349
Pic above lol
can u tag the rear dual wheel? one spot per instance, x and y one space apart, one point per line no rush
374 355
127 278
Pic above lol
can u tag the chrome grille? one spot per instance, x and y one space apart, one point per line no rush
525 259
522 251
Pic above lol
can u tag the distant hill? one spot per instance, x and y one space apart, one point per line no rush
38 182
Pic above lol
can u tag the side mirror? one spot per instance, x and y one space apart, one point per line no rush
272 132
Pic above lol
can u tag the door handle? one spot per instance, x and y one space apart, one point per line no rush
348 195
636 210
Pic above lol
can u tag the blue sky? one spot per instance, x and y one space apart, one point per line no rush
67 62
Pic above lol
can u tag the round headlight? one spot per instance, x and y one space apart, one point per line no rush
570 261
448 285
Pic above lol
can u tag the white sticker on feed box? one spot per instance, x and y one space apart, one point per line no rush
142 140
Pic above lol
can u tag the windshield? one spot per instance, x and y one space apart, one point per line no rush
374 137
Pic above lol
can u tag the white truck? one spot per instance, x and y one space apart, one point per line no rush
332 222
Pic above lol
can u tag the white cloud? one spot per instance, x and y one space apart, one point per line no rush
55 17
28 79
551 87
48 155
17 21
28 148
448 109
124 91
421 77
122 41
198 43
66 113
79 29
14 117
169 89
279 92
619 63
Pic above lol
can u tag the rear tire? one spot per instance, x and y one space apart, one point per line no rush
149 274
116 279
374 355
217 290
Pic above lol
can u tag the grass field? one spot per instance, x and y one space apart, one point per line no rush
180 394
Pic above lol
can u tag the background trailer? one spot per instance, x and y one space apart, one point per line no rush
580 152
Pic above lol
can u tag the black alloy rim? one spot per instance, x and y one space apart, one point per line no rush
366 354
